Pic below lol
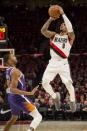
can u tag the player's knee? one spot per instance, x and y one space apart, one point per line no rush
68 83
36 115
45 83
40 117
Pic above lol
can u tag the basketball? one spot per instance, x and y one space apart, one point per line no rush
54 11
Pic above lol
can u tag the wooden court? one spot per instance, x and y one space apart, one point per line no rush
53 126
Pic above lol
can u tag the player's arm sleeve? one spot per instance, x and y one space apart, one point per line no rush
44 30
67 23
69 28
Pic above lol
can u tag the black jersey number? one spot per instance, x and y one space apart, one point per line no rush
63 45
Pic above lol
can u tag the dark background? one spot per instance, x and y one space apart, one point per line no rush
24 20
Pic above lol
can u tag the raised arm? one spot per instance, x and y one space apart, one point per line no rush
68 26
45 31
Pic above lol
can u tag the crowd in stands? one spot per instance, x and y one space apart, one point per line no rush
33 69
24 34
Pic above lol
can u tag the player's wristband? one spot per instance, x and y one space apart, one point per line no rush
67 23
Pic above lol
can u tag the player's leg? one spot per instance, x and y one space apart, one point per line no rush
10 123
49 75
66 79
71 91
30 109
15 112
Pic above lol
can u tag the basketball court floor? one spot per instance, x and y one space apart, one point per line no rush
52 126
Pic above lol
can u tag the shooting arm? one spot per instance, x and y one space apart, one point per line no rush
45 31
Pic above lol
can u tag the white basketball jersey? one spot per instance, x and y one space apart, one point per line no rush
60 46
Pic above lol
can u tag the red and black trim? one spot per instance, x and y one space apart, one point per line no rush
57 50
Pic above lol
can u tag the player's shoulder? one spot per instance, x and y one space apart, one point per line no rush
16 71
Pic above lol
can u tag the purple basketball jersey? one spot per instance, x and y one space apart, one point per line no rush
21 80
18 102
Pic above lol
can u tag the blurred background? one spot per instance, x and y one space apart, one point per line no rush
23 20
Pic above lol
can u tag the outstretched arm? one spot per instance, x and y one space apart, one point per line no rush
14 83
44 30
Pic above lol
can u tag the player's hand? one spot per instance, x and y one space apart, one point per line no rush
34 90
53 19
61 10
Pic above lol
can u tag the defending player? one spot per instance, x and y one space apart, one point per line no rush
18 96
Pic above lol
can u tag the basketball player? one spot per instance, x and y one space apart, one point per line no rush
60 45
18 96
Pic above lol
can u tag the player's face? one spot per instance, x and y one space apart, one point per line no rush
63 27
12 59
